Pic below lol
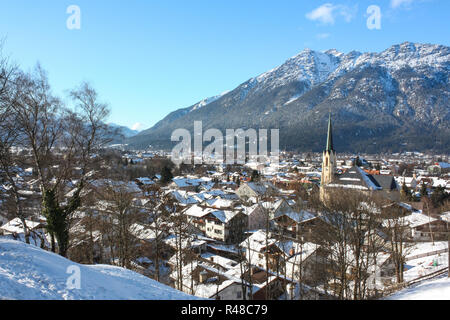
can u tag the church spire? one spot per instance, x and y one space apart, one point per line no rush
330 136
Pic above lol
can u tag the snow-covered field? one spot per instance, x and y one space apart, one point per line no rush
30 273
436 289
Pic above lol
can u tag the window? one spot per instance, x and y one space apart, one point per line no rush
218 231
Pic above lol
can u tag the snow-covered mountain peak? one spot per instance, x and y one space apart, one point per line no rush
310 66
207 101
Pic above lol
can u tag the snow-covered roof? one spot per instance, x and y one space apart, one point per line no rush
298 217
197 211
16 226
224 215
141 232
220 203
413 220
222 261
446 216
145 180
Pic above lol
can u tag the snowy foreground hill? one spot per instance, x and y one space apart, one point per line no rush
436 289
30 273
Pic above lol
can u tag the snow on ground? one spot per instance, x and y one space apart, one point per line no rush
423 266
436 289
30 273
417 267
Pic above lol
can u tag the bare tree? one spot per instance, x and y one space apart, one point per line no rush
120 215
351 220
397 229
159 224
9 136
59 140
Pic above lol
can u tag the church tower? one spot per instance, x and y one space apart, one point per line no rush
328 162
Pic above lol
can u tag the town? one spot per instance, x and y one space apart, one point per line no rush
309 226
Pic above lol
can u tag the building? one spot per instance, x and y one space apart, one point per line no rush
328 162
354 178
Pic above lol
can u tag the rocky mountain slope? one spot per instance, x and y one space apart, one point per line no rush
394 100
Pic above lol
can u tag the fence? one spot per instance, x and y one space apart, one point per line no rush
423 255
399 286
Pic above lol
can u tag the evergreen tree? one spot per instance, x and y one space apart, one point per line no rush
255 176
406 193
423 190
166 175
439 196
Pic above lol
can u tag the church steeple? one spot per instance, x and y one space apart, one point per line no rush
329 159
330 136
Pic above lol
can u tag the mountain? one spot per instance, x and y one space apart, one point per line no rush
390 101
123 130
30 273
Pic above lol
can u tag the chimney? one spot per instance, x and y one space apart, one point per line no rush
203 276
292 251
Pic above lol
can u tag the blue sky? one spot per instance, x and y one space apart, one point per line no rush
147 58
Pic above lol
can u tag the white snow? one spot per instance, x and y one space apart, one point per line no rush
30 273
438 289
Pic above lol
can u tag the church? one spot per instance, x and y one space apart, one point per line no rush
354 178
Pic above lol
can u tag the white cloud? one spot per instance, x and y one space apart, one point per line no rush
399 3
137 126
323 35
327 13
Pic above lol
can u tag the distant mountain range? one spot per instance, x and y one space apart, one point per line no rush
390 101
123 130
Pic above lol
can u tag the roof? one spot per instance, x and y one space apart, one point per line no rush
386 182
329 136
298 217
446 216
219 203
197 211
16 226
413 220
224 215
356 178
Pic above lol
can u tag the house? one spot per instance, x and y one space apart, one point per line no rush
226 226
256 190
277 208
191 183
203 280
421 227
15 230
144 181
196 216
287 258
288 224
194 243
257 216
271 286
